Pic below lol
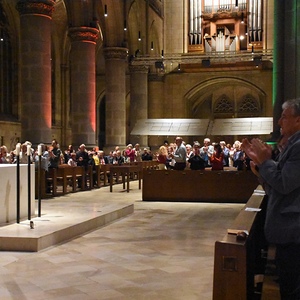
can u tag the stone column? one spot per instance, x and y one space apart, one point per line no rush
83 85
138 101
115 94
35 70
156 106
286 73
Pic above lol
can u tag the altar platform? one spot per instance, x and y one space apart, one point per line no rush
66 217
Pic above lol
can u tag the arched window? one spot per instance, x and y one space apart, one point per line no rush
223 105
249 105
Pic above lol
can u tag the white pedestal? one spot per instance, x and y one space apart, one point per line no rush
8 192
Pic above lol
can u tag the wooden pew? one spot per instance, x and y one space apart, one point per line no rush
188 185
68 177
105 171
98 175
64 176
239 261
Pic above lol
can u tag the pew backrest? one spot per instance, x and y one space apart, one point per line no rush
236 260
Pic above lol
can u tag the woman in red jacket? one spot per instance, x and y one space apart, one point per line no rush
216 159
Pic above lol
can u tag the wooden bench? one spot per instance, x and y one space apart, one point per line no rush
68 177
126 171
64 176
239 265
189 185
105 171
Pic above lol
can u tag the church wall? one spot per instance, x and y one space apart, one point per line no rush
171 96
10 134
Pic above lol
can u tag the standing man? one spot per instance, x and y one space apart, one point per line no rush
54 155
281 180
82 158
206 151
179 154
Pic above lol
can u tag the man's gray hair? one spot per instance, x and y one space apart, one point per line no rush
294 104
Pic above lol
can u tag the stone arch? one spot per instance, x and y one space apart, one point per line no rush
101 120
154 37
202 100
135 30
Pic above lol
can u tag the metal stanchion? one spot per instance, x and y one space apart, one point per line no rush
29 180
40 181
18 183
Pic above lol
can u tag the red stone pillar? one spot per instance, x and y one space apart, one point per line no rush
83 85
35 69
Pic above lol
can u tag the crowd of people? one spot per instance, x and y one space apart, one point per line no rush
215 156
177 155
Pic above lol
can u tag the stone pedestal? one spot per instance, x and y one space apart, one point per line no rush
115 67
8 190
83 83
35 69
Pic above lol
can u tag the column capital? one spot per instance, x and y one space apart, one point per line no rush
115 53
139 69
156 77
36 7
84 34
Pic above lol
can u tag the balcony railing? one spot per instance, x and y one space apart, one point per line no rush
210 9
221 57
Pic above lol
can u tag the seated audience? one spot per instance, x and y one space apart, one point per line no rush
103 160
72 161
118 158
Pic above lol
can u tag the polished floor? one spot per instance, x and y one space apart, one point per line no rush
160 251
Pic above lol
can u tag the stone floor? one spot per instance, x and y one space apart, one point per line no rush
160 251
